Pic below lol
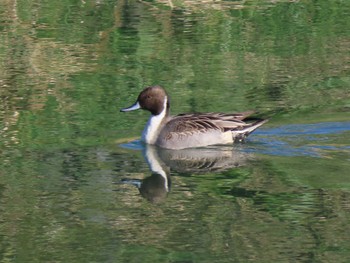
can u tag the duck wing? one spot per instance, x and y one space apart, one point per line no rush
191 124
218 115
204 122
195 130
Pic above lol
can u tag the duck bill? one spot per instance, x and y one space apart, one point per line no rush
135 106
134 182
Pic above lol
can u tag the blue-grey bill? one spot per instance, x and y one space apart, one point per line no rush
136 106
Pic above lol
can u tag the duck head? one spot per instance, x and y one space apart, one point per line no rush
153 99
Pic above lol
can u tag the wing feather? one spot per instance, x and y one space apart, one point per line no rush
204 122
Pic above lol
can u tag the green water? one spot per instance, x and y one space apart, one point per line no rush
76 184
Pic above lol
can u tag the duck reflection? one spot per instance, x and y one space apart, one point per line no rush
203 160
156 187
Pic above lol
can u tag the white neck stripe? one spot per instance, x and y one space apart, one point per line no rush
152 128
155 166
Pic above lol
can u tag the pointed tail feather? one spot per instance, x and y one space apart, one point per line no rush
240 135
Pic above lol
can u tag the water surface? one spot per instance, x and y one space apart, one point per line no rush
77 185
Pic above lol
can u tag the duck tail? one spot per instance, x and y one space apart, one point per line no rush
240 135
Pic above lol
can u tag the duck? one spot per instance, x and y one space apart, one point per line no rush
189 130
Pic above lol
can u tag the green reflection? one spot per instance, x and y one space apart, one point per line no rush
67 67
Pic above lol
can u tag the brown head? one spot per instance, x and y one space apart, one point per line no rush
153 99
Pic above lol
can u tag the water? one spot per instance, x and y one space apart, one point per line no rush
77 185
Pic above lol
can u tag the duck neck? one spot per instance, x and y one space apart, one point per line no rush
156 165
154 124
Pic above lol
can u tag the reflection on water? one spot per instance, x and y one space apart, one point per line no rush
311 140
204 160
155 187
67 67
187 161
280 204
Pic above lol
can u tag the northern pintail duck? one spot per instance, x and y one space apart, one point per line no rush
189 130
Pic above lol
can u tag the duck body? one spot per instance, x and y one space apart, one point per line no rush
189 130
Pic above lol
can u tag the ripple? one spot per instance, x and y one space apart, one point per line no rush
314 140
